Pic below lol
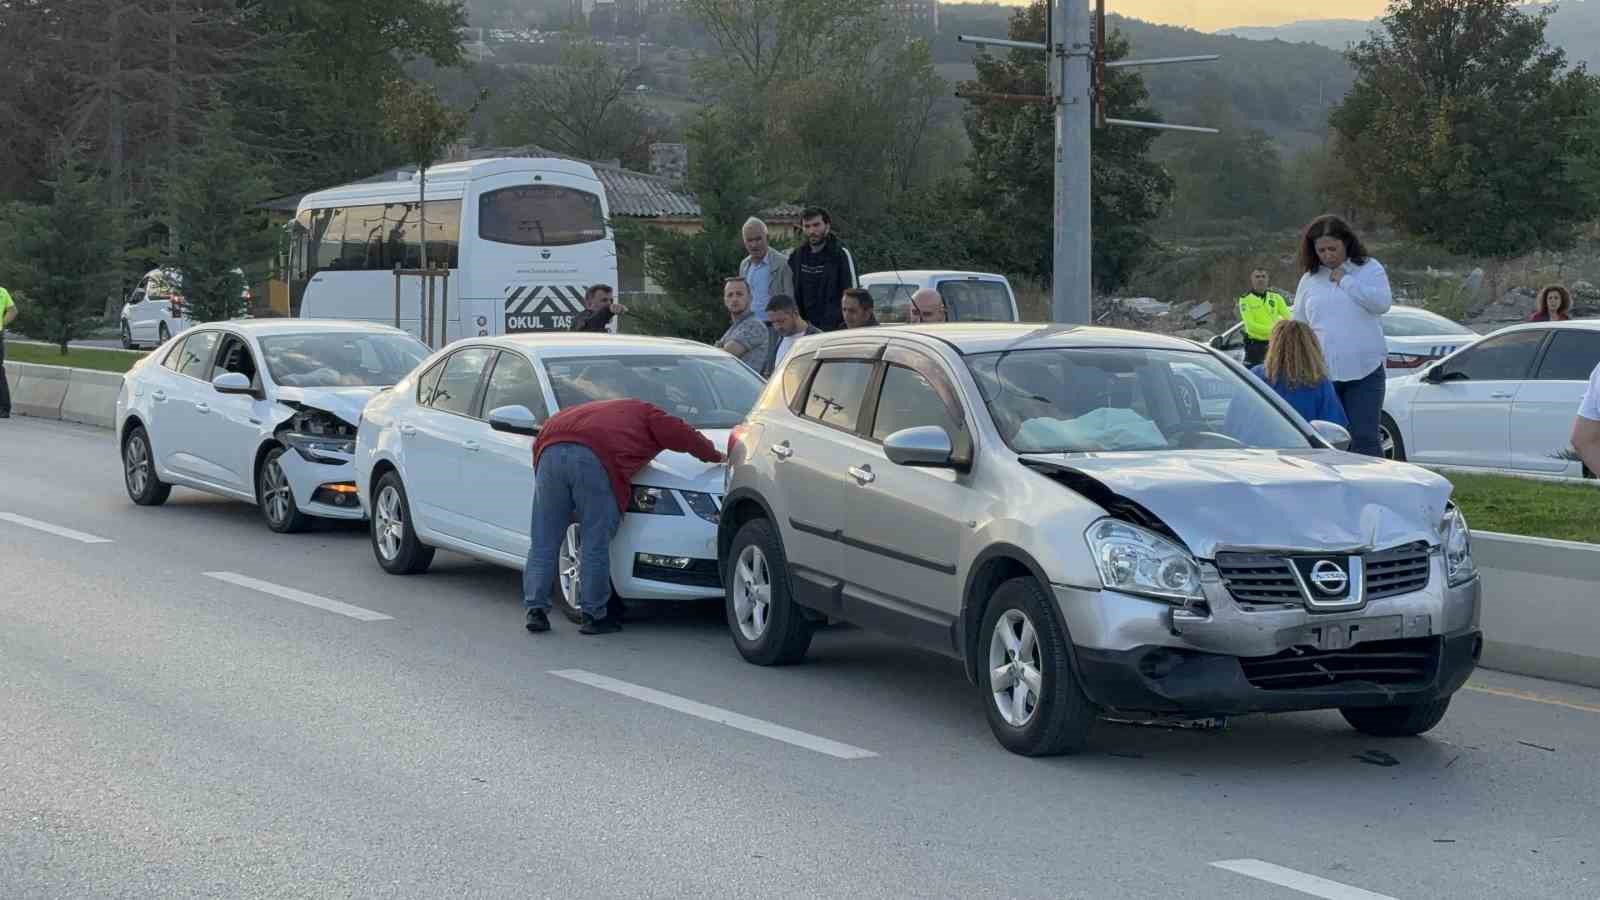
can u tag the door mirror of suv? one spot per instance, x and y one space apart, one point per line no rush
1333 433
232 383
514 420
927 446
1216 341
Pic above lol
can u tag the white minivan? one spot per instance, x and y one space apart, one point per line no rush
968 296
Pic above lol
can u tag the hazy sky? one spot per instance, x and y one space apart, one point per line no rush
1209 15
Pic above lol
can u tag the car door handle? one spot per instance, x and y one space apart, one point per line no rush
471 446
1503 395
408 430
782 451
202 408
863 474
159 396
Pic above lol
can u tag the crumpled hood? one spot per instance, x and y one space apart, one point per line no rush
1315 500
682 471
344 402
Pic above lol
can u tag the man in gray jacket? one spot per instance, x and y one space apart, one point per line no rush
765 269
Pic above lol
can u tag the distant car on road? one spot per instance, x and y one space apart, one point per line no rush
1504 404
1044 506
1415 337
155 311
261 411
445 459
968 296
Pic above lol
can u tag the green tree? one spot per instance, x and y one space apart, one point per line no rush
64 255
220 241
584 107
422 126
1012 165
1468 126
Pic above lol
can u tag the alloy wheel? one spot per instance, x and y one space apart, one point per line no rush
136 464
569 567
389 524
1386 441
275 494
1015 674
752 592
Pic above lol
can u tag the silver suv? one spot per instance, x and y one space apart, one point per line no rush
1093 520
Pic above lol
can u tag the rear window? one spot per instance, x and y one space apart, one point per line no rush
891 302
976 301
1406 321
540 215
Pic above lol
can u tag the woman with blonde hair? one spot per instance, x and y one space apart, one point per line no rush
1296 369
1555 304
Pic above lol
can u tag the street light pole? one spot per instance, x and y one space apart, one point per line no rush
1070 58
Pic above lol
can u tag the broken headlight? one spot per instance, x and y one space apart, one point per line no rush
1457 539
318 436
1134 560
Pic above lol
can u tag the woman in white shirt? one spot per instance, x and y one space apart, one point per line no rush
1341 296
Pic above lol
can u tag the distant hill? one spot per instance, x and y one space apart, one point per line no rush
1335 34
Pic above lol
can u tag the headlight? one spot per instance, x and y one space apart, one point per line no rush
320 448
1137 561
1458 564
704 505
655 501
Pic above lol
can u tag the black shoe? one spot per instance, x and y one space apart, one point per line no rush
538 620
607 625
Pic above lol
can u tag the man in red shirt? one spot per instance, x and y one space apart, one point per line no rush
584 462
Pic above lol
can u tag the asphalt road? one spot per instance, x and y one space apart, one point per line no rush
169 732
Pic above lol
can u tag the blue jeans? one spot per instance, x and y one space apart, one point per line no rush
571 484
1363 406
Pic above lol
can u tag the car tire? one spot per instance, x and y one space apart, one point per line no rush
394 540
1389 435
276 497
1396 721
127 336
768 627
567 573
163 334
1061 716
139 470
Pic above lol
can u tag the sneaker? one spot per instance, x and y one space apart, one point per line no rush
538 620
607 625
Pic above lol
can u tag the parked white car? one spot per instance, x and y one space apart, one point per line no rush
154 310
1415 337
444 460
968 296
1504 404
262 411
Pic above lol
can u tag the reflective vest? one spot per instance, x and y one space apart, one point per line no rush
1260 313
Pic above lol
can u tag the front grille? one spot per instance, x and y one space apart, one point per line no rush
700 573
1400 570
1256 578
1401 662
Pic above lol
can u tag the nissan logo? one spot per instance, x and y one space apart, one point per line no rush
1329 577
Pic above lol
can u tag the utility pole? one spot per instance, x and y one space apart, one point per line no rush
1075 65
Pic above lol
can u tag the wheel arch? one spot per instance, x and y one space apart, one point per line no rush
267 446
739 507
994 566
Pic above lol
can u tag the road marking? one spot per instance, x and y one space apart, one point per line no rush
1533 698
56 530
287 593
715 714
1297 881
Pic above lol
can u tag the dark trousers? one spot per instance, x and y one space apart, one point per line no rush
1255 352
1363 406
5 387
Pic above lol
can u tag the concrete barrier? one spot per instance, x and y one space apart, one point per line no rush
92 398
1541 600
38 390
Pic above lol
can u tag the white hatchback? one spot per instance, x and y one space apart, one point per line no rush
1504 404
263 411
444 460
154 310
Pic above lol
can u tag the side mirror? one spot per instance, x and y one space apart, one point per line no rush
514 420
1216 341
927 446
1333 433
232 383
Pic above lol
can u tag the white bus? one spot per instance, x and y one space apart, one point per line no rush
523 238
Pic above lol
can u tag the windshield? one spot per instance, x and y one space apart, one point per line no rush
1408 321
705 391
891 302
976 301
1060 400
341 359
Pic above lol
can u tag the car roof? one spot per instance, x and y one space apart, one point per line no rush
570 343
903 276
259 328
1569 325
990 337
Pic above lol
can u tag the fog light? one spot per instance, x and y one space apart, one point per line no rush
665 562
341 493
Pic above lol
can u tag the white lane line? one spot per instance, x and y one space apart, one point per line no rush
715 714
287 593
1297 881
56 530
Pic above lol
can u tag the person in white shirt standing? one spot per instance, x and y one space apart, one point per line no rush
1586 430
1341 296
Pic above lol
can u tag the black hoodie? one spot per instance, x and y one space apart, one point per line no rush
821 277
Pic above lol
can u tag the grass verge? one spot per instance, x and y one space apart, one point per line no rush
76 357
1568 512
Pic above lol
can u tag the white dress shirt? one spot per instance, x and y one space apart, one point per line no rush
1345 317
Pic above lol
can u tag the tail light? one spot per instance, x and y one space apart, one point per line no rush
175 304
1406 360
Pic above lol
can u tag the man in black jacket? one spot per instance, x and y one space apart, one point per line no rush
600 309
823 270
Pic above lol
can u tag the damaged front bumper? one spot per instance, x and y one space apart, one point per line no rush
322 489
1228 658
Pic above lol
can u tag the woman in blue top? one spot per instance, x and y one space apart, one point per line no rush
1296 369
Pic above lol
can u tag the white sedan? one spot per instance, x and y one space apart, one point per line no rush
263 411
444 460
1504 404
1414 337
